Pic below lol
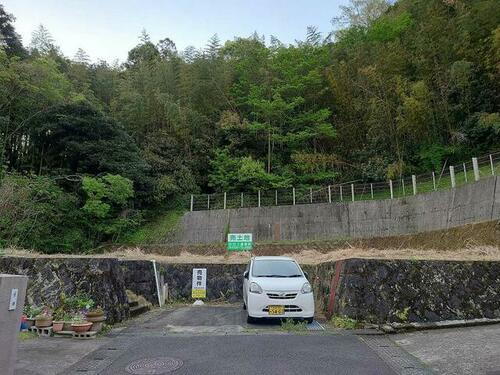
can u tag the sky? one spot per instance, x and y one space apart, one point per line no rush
108 29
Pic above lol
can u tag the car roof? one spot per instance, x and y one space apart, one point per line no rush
272 258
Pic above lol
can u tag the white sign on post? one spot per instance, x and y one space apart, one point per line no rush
13 299
199 289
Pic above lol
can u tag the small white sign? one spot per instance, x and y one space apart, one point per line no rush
199 289
13 299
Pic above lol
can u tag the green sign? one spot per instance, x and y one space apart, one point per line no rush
239 242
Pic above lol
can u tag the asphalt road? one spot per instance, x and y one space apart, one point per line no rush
217 340
257 354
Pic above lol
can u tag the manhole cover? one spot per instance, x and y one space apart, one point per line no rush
151 366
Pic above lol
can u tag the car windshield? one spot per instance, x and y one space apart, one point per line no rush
275 268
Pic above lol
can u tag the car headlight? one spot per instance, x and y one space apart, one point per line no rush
255 288
306 288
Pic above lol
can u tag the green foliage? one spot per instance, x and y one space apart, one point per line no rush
290 325
397 87
403 314
345 322
158 228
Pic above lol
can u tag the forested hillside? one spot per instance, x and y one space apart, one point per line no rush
87 149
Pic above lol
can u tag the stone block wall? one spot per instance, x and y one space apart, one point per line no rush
379 291
373 290
102 279
224 281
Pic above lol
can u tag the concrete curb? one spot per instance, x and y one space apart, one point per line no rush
415 326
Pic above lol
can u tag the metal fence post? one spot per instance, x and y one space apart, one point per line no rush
475 166
293 194
311 194
341 197
208 201
241 200
329 194
352 191
192 202
414 183
371 190
465 173
492 166
452 176
225 199
392 190
403 185
434 180
258 198
276 196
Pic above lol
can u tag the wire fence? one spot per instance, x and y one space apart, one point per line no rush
450 176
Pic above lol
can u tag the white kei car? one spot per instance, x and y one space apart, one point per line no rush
276 287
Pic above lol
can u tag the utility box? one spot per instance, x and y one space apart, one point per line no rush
12 295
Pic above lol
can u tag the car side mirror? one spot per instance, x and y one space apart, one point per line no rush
245 274
306 275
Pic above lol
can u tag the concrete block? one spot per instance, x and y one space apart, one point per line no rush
84 335
10 318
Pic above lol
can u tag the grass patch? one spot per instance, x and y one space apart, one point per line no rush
157 230
291 325
345 322
24 336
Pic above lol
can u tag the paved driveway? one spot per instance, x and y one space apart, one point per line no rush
217 340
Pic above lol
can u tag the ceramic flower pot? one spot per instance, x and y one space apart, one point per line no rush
43 321
97 326
95 318
81 327
57 326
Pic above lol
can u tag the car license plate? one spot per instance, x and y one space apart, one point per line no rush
276 310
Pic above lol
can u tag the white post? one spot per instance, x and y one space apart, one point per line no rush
293 194
414 183
403 185
492 166
276 196
452 176
258 198
371 190
434 180
241 200
352 191
465 173
392 190
475 166
329 194
311 194
192 202
341 197
225 200
208 201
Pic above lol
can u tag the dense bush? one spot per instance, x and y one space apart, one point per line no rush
36 213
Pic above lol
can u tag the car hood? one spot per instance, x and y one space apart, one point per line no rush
280 284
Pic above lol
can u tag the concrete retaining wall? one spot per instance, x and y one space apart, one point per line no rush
467 204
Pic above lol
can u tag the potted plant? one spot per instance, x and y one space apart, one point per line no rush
97 317
79 324
44 319
58 323
31 312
